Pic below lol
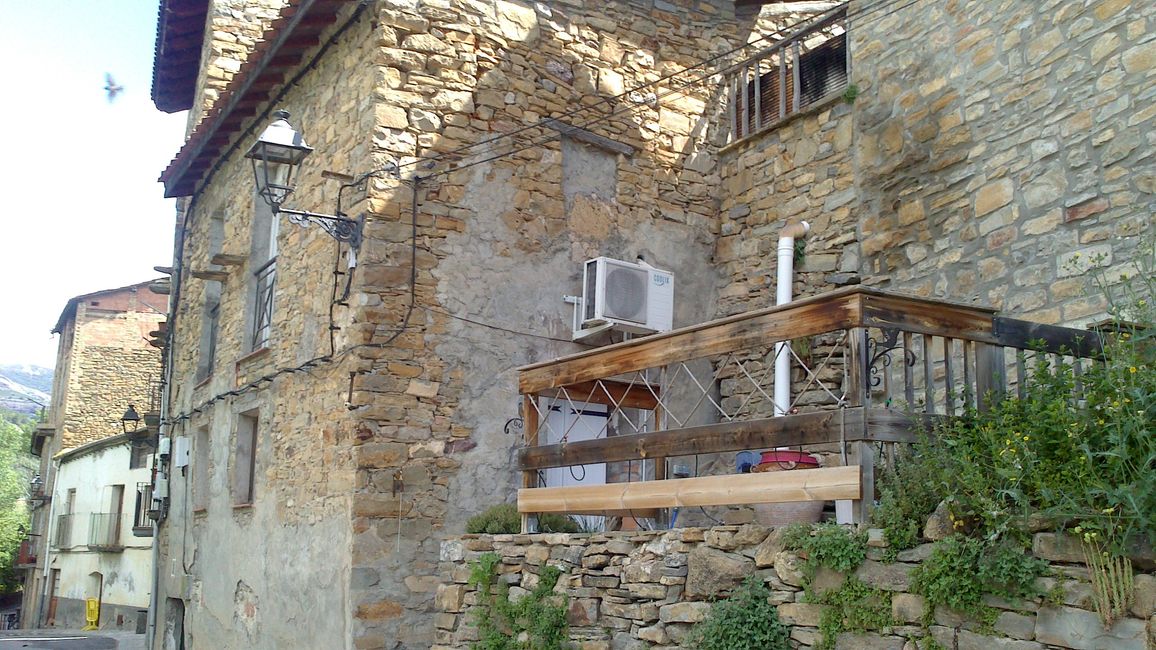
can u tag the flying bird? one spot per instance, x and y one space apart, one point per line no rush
111 87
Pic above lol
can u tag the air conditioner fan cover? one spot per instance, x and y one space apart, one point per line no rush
626 294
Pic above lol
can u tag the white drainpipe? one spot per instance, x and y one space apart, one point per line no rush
786 276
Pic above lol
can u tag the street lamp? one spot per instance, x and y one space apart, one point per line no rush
276 157
130 419
35 486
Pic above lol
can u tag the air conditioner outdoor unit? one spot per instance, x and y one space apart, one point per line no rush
625 296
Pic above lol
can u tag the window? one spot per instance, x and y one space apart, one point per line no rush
142 525
139 455
788 77
104 527
201 469
210 317
245 458
263 261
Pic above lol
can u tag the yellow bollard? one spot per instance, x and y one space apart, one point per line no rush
91 613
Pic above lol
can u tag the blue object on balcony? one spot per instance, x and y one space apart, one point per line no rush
745 461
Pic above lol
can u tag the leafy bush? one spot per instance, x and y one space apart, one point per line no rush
829 545
537 621
504 518
962 569
745 620
854 607
909 492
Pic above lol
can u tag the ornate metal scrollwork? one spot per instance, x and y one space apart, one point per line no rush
339 227
879 354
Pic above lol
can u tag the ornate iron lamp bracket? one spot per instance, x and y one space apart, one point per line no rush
341 228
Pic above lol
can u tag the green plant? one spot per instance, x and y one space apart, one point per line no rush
851 93
910 489
836 547
505 518
537 621
1112 581
746 619
962 569
854 607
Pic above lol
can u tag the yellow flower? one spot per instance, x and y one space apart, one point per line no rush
1132 369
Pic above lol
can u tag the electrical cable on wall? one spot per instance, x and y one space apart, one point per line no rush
333 356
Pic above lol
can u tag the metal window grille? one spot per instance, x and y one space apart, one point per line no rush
266 278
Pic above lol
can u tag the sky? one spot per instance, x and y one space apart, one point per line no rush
80 207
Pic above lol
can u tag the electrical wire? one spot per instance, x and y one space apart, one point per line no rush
544 123
417 180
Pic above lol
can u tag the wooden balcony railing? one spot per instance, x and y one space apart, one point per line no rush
801 70
869 370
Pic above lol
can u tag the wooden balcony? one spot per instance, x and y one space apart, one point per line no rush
869 369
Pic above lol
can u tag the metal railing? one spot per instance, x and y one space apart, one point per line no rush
142 525
799 71
868 370
266 279
104 531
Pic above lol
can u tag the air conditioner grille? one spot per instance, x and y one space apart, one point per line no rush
626 294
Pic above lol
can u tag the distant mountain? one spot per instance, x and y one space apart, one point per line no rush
22 386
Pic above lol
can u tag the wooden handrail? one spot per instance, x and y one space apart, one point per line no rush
833 311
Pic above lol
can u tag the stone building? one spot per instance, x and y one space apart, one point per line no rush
89 468
347 412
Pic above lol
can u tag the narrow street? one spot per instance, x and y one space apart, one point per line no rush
69 640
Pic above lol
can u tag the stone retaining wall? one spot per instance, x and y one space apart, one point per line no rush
648 589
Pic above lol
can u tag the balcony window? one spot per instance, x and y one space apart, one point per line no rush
800 71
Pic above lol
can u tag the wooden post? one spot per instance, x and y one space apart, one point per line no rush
732 108
948 374
928 376
865 457
530 436
782 82
795 70
758 85
990 375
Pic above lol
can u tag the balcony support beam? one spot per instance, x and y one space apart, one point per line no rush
765 487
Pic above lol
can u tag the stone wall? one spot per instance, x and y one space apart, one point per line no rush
990 157
500 242
233 29
108 366
648 589
273 573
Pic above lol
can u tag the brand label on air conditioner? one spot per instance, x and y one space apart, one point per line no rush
661 280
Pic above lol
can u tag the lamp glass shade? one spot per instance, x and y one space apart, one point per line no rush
130 419
275 157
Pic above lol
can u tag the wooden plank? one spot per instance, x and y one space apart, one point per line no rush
225 259
859 372
864 454
927 317
212 276
787 431
758 95
782 83
968 380
530 436
928 376
990 380
610 393
948 374
808 317
1026 335
908 371
821 484
795 72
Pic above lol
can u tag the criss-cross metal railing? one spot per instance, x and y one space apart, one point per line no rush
867 369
